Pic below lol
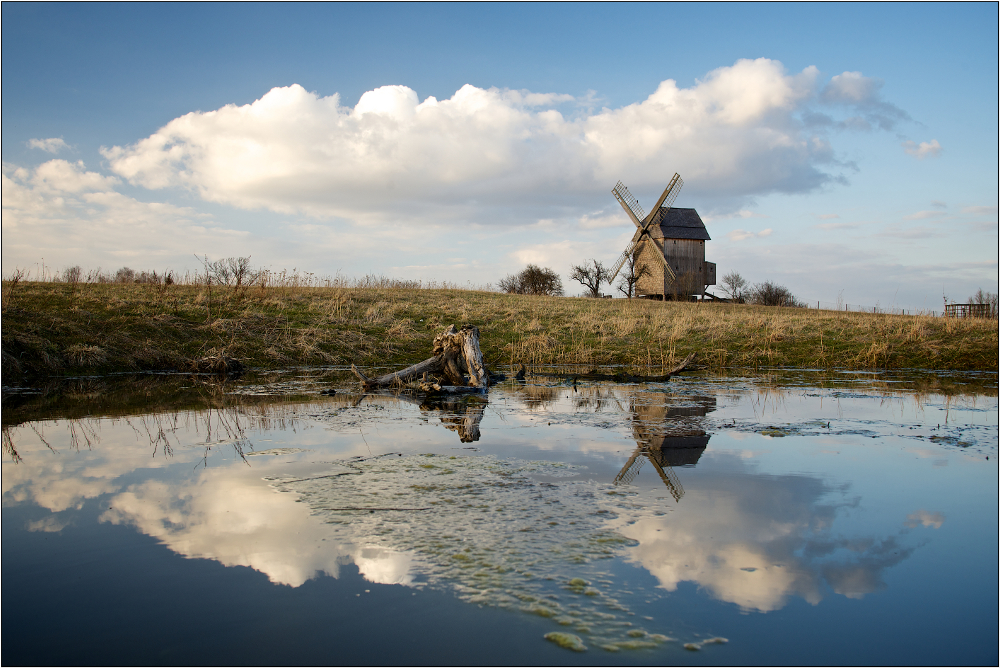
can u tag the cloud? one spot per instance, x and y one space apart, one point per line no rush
836 226
601 220
917 232
741 214
938 204
50 145
60 176
491 155
980 210
69 215
922 215
863 94
923 149
740 235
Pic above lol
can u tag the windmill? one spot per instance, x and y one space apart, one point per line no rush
645 222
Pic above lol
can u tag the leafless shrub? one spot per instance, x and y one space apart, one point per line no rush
771 294
124 275
533 280
72 275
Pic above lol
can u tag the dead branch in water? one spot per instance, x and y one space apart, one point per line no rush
456 366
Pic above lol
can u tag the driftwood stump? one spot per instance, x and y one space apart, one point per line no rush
457 360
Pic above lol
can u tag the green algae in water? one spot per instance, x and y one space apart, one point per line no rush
489 534
567 640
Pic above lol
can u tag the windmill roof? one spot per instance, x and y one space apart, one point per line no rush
680 224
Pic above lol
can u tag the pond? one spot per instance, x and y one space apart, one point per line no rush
779 517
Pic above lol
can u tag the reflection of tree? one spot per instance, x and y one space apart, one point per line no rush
461 415
667 431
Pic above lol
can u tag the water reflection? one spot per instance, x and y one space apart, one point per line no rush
296 489
667 433
757 540
458 413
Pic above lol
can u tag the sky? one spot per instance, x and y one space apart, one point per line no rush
845 151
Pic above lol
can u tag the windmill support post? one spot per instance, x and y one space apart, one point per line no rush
456 366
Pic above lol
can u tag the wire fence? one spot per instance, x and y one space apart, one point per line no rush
859 308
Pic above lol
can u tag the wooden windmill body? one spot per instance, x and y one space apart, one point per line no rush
668 248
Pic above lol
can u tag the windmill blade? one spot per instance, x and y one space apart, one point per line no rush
629 203
631 469
670 192
622 259
667 199
668 477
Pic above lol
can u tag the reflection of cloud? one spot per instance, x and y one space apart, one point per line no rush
51 524
757 540
237 521
922 517
854 579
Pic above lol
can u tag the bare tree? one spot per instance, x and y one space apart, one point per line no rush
771 294
987 299
735 286
590 275
632 273
533 280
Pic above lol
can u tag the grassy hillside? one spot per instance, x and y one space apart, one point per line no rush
64 328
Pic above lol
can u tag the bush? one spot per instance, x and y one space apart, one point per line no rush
771 294
533 280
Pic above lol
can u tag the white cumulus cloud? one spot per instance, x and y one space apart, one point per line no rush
50 145
491 155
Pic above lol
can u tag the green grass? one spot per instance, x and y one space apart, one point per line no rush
59 328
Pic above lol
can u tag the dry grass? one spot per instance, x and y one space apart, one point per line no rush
58 328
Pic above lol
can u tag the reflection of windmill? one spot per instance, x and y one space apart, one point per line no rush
667 475
668 433
668 248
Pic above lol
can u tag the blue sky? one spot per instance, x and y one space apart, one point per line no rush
846 151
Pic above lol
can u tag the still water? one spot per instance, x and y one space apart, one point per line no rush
778 518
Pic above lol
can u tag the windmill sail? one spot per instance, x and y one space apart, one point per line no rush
622 259
629 201
667 198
